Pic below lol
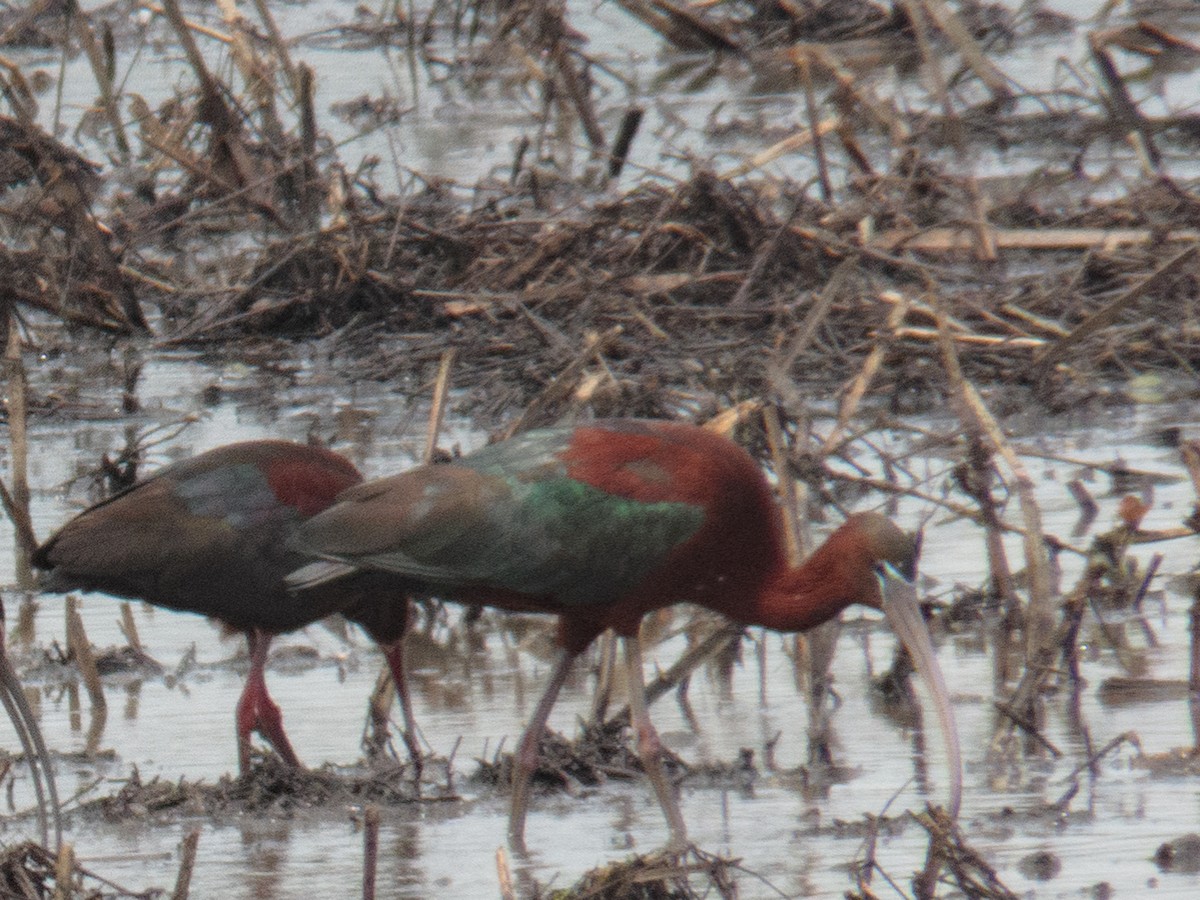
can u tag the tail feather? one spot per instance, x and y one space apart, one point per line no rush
55 581
317 573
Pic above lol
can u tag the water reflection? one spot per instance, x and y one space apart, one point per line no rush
266 843
400 855
133 693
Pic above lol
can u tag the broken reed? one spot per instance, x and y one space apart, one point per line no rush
16 500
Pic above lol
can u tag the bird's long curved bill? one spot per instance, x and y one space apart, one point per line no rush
904 613
12 696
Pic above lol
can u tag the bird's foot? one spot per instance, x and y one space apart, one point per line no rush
265 718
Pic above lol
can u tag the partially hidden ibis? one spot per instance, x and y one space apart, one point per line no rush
600 523
211 535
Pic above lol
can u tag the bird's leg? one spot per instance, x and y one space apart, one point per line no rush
821 644
375 737
256 711
525 761
649 747
604 680
394 654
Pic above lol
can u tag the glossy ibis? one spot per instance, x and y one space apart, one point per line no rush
210 535
601 523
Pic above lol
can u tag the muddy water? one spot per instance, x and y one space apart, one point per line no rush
781 829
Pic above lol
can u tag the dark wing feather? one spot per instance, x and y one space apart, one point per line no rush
208 535
505 518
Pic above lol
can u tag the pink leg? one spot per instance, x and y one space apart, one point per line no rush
649 747
394 654
256 711
525 762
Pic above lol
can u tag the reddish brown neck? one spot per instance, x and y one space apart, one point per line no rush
834 577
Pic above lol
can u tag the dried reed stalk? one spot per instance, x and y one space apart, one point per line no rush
793 530
606 656
504 876
576 88
852 395
1021 706
229 165
1121 104
789 144
1190 453
256 73
949 23
370 850
437 410
857 96
385 687
1039 616
310 181
16 503
779 366
976 340
975 476
64 873
81 648
1049 239
129 629
278 45
564 383
187 864
680 25
1109 314
918 17
22 98
102 70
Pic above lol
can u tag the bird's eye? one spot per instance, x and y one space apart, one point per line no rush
886 569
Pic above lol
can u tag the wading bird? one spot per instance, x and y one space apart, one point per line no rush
210 535
601 523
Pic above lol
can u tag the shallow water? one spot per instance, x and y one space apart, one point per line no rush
452 124
468 705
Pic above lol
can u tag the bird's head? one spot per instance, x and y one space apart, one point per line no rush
890 547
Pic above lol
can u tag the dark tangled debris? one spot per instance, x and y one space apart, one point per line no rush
269 788
29 871
599 753
669 291
966 868
1179 855
691 875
